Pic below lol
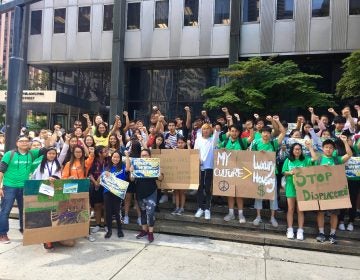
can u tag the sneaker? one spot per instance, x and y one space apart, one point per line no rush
95 229
242 219
274 222
48 246
290 233
106 229
341 226
180 212
120 233
175 211
126 220
164 198
350 227
141 234
108 234
4 239
92 214
257 221
321 238
91 238
138 221
229 217
151 237
332 238
199 213
207 214
300 234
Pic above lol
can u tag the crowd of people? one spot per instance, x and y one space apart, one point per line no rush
96 148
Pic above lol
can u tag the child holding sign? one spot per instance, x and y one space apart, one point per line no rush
327 158
111 201
296 159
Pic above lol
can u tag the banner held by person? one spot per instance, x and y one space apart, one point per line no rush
352 167
53 213
244 174
146 167
321 188
180 168
114 185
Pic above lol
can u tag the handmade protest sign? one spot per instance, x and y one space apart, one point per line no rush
352 167
179 167
244 174
146 167
57 216
321 188
114 185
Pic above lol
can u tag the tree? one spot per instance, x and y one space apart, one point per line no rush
349 84
264 84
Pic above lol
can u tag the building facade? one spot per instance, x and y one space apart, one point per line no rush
176 48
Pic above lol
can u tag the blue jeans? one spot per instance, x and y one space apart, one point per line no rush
7 202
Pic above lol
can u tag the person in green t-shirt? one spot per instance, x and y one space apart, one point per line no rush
327 158
296 159
15 168
266 144
232 141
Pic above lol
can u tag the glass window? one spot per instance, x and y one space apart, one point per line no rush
191 13
354 7
133 16
251 10
320 8
108 17
36 21
285 9
59 20
162 14
222 12
84 19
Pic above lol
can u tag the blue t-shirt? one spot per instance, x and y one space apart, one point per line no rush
120 174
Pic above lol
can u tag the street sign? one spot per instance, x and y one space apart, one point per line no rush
33 96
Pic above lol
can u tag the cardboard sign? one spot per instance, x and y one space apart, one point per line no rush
352 167
321 188
55 218
146 167
114 185
180 168
244 174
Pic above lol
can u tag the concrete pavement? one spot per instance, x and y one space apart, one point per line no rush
169 257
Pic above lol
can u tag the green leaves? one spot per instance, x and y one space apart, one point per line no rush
264 84
349 84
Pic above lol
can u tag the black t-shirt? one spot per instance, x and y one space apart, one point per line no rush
144 187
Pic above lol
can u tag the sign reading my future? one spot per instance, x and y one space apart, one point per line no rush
145 167
321 188
244 174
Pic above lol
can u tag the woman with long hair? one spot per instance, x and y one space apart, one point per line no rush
78 167
96 190
49 167
296 159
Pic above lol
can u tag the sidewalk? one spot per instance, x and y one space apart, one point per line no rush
169 257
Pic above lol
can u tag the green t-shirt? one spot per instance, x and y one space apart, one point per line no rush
333 160
271 146
290 165
234 145
257 135
259 145
19 168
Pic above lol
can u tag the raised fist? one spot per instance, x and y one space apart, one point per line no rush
187 108
311 110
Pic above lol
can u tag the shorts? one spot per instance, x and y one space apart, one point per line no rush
290 191
131 187
331 212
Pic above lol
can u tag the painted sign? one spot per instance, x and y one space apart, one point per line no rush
321 188
114 185
55 216
352 167
145 167
244 174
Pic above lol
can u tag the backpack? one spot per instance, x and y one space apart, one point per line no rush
226 141
15 151
336 161
272 145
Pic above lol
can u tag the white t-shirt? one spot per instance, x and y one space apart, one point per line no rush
206 147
